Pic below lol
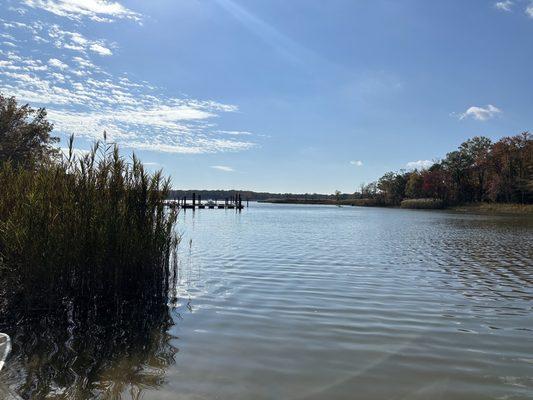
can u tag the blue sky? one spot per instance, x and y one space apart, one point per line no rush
274 95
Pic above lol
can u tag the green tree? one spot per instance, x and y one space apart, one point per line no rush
392 187
477 151
25 138
415 186
457 165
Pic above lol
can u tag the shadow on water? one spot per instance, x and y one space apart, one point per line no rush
81 351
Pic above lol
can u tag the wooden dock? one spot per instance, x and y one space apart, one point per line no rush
235 203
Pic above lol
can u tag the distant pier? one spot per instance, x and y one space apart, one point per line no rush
234 203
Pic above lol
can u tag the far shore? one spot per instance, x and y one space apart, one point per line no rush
474 208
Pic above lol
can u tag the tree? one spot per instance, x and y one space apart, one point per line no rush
478 170
437 183
477 151
25 138
392 187
457 165
511 169
415 186
369 191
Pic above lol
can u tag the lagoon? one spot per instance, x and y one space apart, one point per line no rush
318 302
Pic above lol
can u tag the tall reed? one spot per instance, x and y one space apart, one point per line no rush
87 230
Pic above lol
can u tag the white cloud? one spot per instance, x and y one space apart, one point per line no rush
96 10
132 113
133 129
83 99
54 62
99 49
8 36
75 41
481 113
32 27
223 168
504 5
83 62
420 164
529 10
357 163
78 153
20 11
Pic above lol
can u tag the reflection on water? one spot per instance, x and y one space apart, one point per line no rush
73 354
309 302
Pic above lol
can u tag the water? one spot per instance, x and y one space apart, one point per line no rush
319 302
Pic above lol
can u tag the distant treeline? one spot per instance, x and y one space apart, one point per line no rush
250 195
478 171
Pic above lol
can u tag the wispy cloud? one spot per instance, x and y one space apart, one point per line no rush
84 99
508 5
99 49
130 116
75 152
95 10
420 164
357 163
7 36
481 113
223 168
529 10
54 62
75 41
504 5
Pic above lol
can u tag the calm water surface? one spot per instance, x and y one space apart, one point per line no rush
321 302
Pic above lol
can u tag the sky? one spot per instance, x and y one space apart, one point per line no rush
302 96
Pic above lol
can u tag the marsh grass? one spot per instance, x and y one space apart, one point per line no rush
89 231
87 268
368 202
496 208
423 204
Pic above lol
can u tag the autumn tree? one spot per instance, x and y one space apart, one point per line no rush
479 170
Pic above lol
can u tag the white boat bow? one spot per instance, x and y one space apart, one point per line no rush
5 348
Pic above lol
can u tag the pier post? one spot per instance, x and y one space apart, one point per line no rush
193 200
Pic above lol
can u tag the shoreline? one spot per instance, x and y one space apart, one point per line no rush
470 208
